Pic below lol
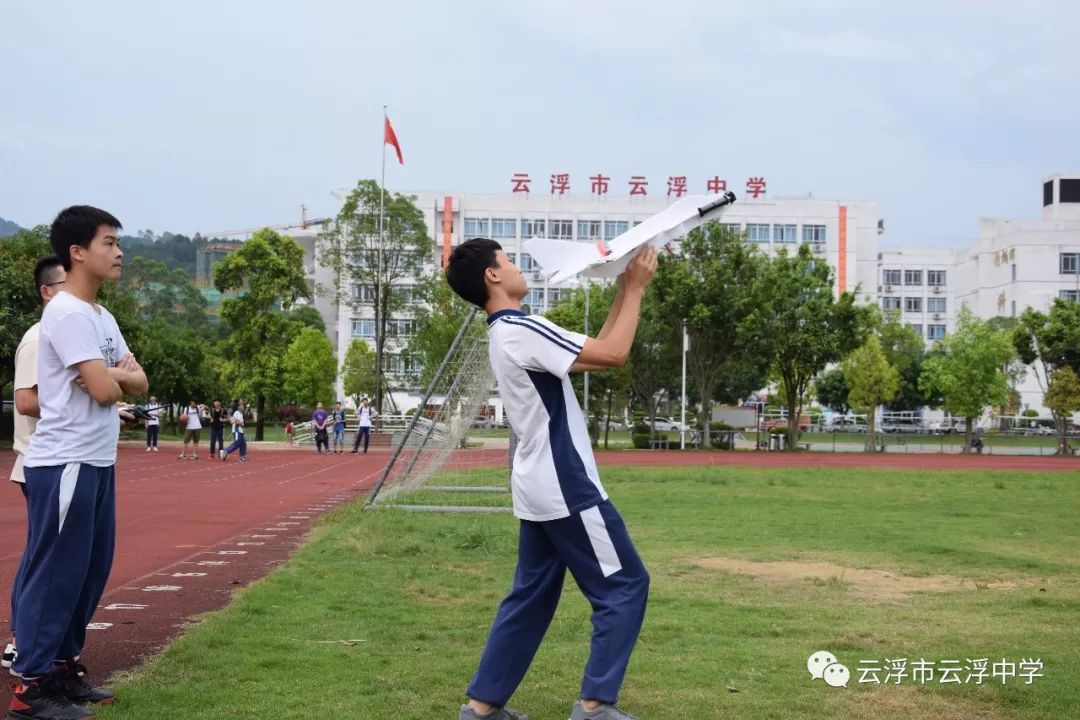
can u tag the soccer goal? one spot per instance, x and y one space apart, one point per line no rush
452 456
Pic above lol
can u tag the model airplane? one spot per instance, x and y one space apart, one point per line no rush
563 259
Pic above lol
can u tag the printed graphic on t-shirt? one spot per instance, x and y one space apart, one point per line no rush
108 351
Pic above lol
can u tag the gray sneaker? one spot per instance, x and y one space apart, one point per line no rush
499 713
603 712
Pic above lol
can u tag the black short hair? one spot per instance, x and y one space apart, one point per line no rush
465 271
45 272
77 225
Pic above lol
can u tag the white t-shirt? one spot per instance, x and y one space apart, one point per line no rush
153 409
237 423
555 472
365 414
193 422
26 360
74 428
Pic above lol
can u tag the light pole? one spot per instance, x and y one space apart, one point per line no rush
682 422
586 380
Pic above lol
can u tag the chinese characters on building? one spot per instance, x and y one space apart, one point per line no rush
600 185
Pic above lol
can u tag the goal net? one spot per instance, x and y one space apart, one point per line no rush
454 452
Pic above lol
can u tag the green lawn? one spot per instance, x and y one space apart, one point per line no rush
384 613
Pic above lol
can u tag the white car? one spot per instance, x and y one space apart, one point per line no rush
664 423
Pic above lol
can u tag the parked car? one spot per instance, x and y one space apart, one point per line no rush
845 424
614 425
804 425
665 424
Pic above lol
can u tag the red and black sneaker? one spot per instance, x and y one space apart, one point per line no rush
43 699
73 681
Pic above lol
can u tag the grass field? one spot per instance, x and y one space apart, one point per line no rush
384 613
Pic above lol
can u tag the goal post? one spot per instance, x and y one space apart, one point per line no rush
452 455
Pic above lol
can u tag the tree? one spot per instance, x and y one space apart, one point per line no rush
605 386
802 325
1063 399
20 303
832 390
269 270
905 351
358 370
969 373
376 256
1049 342
712 286
439 316
310 368
873 381
655 361
308 316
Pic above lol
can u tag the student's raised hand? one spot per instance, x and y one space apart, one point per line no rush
639 273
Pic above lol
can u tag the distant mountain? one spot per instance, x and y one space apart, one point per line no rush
8 228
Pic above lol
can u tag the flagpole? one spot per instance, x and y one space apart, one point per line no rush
378 277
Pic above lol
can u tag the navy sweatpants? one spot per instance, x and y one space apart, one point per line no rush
69 553
595 547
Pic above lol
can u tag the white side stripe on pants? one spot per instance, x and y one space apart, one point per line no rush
68 478
600 539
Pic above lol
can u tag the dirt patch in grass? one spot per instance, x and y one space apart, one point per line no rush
870 584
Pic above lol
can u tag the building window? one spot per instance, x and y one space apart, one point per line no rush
890 303
477 227
935 277
757 232
533 228
890 277
1072 295
399 327
588 231
913 277
935 305
813 234
732 227
527 263
615 228
535 300
1070 263
917 328
557 295
561 230
912 304
935 332
363 293
363 328
783 233
504 229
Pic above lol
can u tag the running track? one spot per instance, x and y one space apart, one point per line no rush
190 533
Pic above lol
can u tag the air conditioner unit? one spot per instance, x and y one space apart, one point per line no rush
537 275
937 289
888 288
937 316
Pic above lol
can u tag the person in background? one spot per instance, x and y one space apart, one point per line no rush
49 280
218 415
365 414
192 429
238 443
153 423
319 419
337 417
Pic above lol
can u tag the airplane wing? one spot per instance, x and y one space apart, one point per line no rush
561 259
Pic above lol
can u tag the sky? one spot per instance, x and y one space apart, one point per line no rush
204 116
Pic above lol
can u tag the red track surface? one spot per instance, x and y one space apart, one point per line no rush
190 533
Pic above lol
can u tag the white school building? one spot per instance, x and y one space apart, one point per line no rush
1013 264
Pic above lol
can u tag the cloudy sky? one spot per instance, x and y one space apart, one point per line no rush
200 116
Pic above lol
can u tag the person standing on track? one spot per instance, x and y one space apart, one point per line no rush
337 417
365 414
319 419
218 415
84 369
49 280
566 519
192 423
238 443
153 423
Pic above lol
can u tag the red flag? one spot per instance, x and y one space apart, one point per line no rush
390 137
